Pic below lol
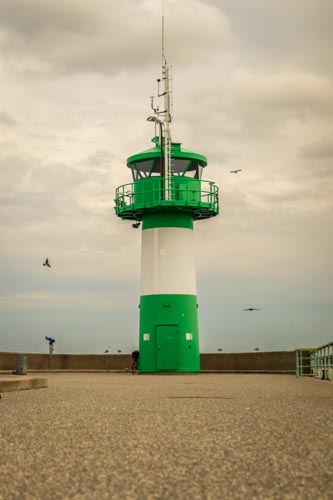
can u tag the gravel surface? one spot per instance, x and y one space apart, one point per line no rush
100 436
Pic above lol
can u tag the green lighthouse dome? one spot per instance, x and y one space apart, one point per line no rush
150 162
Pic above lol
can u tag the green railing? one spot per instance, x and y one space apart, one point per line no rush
157 193
315 362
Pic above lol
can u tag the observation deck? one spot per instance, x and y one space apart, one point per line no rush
183 191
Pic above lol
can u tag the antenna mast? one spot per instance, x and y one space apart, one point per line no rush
164 118
166 112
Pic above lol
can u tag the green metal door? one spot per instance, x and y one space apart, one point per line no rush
167 347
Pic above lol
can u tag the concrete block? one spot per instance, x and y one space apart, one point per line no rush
21 382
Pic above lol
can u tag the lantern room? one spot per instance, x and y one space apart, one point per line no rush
151 162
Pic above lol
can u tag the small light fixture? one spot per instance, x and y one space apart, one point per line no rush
136 225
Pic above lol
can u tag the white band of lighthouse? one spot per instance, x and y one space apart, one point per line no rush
168 261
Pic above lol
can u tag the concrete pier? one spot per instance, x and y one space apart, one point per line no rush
202 436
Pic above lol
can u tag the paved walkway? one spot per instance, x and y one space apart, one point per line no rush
119 436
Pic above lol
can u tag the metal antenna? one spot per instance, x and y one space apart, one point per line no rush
164 118
167 114
163 53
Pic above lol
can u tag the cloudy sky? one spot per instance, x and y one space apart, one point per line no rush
253 89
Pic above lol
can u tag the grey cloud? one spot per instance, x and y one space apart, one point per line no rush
6 119
247 103
44 203
62 37
100 161
14 170
41 192
55 177
267 104
318 151
283 89
33 18
310 202
28 174
316 161
278 31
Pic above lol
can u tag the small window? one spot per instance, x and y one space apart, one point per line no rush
146 168
157 167
135 173
178 166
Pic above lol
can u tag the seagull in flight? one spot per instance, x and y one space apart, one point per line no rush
107 350
251 309
235 171
256 349
46 263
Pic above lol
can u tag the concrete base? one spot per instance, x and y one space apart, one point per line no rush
21 382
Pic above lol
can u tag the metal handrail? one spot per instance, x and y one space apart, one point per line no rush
158 195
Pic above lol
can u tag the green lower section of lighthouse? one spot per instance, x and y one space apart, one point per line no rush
169 340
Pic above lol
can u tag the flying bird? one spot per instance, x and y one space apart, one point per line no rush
235 171
256 349
107 350
251 309
46 263
220 349
119 350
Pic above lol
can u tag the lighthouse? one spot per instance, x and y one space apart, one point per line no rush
166 196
